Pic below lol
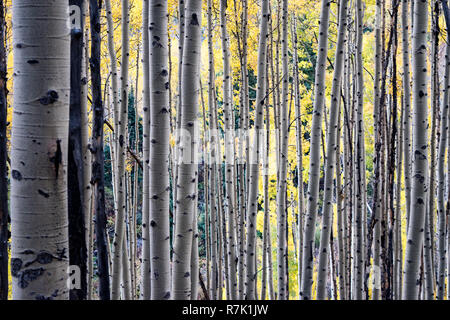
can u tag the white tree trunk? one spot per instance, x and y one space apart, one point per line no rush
39 257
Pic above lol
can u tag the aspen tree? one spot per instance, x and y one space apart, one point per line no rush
3 161
145 288
415 233
314 167
87 158
441 257
119 227
39 213
98 176
281 192
212 166
187 166
75 176
159 161
407 103
229 150
330 162
253 165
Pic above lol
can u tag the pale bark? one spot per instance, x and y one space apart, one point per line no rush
314 167
415 233
253 166
330 160
159 158
39 149
145 287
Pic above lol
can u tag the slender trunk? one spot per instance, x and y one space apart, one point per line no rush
314 168
145 288
253 165
441 232
213 160
159 160
187 162
282 183
420 162
75 175
4 236
98 176
330 159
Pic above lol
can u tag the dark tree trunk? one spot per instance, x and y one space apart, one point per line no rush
77 237
3 169
98 176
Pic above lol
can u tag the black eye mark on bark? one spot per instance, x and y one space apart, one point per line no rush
56 159
194 20
51 97
16 175
43 193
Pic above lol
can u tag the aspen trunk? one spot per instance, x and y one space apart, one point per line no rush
159 160
145 288
187 165
330 160
415 233
98 177
3 160
253 165
314 167
39 213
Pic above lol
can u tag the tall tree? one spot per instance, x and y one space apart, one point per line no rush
40 244
282 250
253 165
187 165
416 224
119 244
159 161
330 160
4 216
98 164
145 288
314 167
75 179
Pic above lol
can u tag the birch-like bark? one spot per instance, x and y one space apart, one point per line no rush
253 166
87 158
4 235
282 249
212 166
39 149
229 151
159 158
314 167
187 166
407 104
330 160
121 155
415 233
98 176
145 288
441 232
